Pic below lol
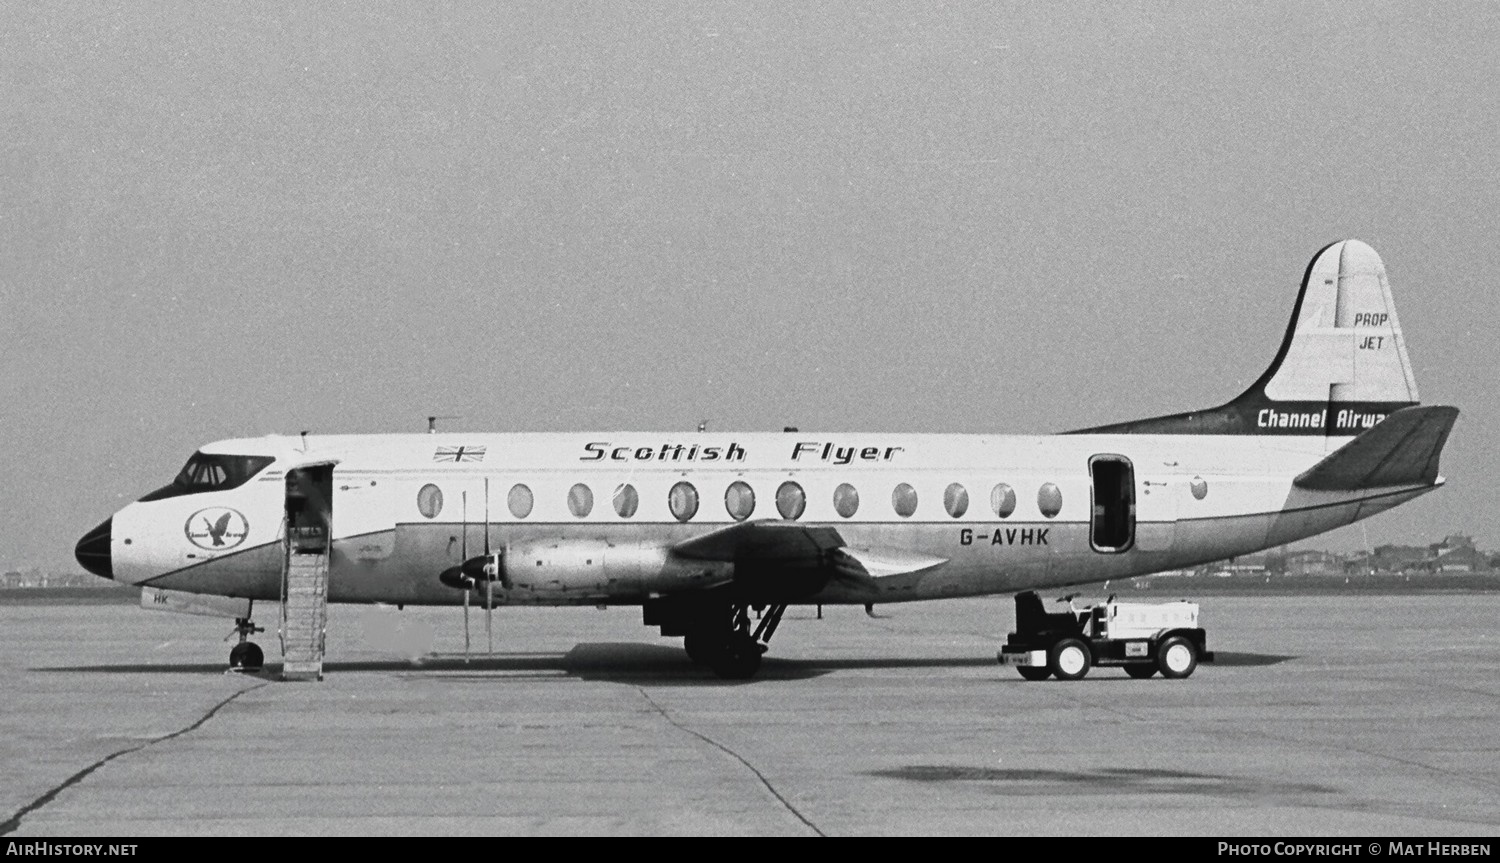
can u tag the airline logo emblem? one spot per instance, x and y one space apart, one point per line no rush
217 528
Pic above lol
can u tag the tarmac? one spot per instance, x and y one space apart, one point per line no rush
1323 716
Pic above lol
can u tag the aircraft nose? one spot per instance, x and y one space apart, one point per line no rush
93 550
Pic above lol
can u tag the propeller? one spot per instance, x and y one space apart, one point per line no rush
472 570
463 554
489 582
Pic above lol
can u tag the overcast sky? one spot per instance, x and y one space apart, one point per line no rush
229 220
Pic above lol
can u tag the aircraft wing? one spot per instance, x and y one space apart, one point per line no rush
787 558
1403 449
781 541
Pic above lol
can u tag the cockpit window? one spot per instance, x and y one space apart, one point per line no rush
207 472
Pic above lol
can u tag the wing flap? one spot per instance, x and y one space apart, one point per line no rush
788 558
1403 449
771 541
882 562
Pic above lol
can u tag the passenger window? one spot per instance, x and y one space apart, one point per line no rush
846 500
580 500
956 500
430 501
1003 500
519 500
739 499
791 501
904 499
1049 500
682 500
626 500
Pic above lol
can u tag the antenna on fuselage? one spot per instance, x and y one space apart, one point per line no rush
304 440
432 422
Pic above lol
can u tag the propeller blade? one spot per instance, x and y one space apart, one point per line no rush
466 626
489 614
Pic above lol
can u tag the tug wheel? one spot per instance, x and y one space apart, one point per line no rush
1069 659
1177 657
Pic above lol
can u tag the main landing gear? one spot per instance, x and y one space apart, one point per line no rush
724 641
247 655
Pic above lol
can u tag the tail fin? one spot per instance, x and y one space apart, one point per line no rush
1341 369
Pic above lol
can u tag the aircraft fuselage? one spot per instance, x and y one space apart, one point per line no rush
589 519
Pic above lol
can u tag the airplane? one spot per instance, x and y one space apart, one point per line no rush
703 529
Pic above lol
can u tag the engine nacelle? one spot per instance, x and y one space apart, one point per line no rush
582 567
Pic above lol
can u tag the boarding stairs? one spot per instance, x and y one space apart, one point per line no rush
304 603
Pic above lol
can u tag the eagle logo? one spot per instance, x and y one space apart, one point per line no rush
217 528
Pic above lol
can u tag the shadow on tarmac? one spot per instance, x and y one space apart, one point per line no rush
624 662
1226 658
1102 781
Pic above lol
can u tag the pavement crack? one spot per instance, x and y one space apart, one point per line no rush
11 824
732 754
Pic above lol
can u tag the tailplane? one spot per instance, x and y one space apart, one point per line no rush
1342 367
1402 450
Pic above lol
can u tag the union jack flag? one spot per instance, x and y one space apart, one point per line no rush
459 453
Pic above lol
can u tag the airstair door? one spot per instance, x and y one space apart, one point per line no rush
304 575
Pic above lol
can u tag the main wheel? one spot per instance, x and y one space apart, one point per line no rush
1034 672
701 647
247 656
1177 657
1140 670
1069 659
737 660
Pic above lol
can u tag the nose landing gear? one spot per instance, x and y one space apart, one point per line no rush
247 655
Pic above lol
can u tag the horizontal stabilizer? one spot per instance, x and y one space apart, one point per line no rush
1403 449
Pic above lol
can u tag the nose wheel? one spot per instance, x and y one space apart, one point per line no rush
247 655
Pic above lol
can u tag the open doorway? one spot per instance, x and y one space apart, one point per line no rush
309 508
1112 528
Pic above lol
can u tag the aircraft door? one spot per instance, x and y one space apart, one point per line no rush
1112 525
365 520
309 508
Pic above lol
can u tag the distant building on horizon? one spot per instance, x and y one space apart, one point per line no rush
33 578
